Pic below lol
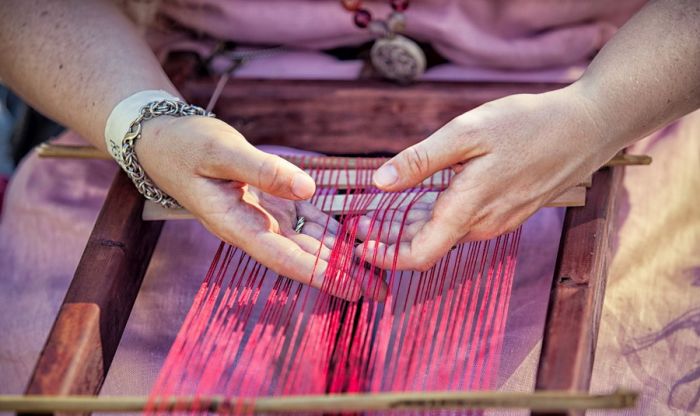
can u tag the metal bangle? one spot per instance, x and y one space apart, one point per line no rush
129 160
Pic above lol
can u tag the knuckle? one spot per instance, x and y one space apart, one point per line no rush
480 235
235 136
270 174
500 222
423 262
508 227
417 161
488 230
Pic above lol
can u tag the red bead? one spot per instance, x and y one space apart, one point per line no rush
352 5
400 5
362 18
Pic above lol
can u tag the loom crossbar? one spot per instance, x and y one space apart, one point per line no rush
343 204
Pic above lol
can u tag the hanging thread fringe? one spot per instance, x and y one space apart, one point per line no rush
251 333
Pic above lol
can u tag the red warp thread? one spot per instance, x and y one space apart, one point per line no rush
250 333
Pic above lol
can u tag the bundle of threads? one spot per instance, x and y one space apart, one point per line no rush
251 333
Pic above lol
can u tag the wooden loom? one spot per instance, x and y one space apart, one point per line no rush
326 116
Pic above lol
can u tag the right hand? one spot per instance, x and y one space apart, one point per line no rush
212 171
510 157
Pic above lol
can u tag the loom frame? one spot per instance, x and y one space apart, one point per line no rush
89 325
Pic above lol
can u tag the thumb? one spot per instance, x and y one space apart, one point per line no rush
420 161
268 172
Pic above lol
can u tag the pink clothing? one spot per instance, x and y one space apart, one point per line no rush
531 34
532 40
649 332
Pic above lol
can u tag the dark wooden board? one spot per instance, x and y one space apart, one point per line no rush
346 117
578 290
91 320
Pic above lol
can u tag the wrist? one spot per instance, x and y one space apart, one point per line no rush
607 127
122 117
129 118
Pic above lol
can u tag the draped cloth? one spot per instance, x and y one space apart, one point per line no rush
651 318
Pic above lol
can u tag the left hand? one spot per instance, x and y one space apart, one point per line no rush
318 227
511 156
246 197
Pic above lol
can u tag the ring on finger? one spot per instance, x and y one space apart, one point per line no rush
299 225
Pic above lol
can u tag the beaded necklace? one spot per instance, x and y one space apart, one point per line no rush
394 56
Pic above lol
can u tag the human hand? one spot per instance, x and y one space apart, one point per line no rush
248 198
511 156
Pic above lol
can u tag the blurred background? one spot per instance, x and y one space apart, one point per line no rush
21 128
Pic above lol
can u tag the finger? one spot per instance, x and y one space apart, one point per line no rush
432 241
286 258
413 215
312 213
236 219
237 160
442 149
368 277
418 205
371 279
320 233
388 232
311 245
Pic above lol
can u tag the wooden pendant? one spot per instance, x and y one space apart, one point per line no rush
398 58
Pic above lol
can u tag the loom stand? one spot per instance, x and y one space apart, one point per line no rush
94 313
90 323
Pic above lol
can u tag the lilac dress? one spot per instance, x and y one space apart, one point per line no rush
651 320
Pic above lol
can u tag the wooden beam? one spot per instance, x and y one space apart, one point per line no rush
66 151
91 320
346 117
349 178
578 289
358 204
326 403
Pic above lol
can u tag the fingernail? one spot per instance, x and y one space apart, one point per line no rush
372 245
386 175
303 186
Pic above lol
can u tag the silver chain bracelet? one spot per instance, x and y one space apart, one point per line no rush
129 160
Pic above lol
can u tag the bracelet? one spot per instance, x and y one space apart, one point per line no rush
121 146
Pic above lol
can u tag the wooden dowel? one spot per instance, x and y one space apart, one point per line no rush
343 204
67 151
348 178
322 162
624 159
329 403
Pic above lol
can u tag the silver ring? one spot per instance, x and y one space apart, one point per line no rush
300 224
